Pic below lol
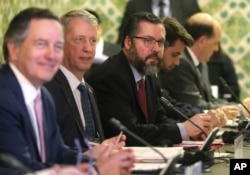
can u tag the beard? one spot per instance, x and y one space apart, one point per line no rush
141 65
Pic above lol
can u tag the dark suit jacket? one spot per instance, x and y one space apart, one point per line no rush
11 171
221 65
16 131
184 84
185 108
117 97
110 49
68 116
181 10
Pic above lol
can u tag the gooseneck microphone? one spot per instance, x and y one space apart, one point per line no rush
123 128
168 104
224 83
186 160
12 162
229 136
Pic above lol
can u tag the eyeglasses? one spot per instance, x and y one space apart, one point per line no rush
150 42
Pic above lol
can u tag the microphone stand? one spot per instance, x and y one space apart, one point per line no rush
121 127
167 103
12 162
207 154
243 131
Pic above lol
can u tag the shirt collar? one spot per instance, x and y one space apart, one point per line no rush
155 3
73 81
194 58
136 74
28 90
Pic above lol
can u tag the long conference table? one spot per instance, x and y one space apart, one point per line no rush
221 165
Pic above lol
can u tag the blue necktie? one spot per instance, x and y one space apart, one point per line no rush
88 115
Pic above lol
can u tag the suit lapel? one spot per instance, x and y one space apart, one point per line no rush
149 99
17 92
96 114
45 124
206 83
202 86
70 99
131 77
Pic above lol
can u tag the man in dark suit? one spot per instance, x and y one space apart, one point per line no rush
179 9
64 86
33 51
21 79
188 83
221 65
119 84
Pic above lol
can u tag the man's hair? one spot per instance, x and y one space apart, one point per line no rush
77 14
197 28
175 31
95 14
132 27
18 27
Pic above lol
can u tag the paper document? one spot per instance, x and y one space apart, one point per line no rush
151 161
147 155
216 143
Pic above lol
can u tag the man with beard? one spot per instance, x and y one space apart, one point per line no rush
127 88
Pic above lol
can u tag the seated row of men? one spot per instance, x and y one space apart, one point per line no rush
47 57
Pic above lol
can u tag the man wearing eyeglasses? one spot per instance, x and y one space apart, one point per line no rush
127 89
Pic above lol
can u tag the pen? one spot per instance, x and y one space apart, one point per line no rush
118 138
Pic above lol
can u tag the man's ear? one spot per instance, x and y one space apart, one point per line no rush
201 41
127 42
13 50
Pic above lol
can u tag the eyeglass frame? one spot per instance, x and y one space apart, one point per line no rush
152 40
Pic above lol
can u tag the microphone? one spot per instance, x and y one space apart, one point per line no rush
14 163
229 136
168 104
123 128
186 160
224 83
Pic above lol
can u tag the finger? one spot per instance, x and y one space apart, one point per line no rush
107 151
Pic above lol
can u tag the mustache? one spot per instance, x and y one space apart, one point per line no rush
153 55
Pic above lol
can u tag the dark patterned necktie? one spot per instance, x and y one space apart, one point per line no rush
142 97
201 72
88 115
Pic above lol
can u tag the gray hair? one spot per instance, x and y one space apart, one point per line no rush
80 14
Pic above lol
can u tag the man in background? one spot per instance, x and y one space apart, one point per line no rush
221 65
179 9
